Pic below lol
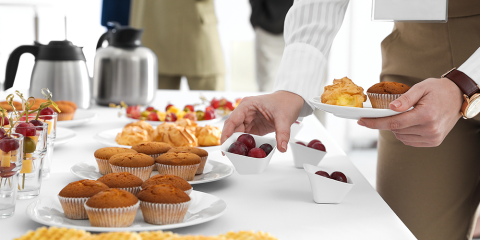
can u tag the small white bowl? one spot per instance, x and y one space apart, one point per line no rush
295 129
326 190
303 154
245 164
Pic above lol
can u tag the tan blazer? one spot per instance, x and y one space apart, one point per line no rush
183 34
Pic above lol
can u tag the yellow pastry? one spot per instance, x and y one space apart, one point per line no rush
143 125
187 123
178 136
132 135
343 92
158 134
208 136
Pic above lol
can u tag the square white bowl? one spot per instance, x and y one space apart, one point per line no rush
303 154
245 164
295 129
326 190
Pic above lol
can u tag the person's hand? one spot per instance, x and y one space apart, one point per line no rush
437 105
264 114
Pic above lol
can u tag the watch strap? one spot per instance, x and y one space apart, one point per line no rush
464 82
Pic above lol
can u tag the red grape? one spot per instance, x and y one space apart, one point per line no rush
2 133
248 140
8 144
257 153
26 129
267 148
209 115
322 173
238 148
310 144
339 176
215 103
150 109
153 117
5 121
188 108
301 143
229 105
46 113
168 106
319 146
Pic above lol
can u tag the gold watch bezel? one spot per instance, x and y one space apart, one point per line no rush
468 103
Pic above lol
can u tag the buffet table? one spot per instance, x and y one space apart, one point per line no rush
278 201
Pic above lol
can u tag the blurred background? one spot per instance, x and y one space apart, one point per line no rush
355 52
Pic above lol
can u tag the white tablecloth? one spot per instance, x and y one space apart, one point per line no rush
278 201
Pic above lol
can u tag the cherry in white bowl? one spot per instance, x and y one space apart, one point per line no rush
324 189
303 154
245 164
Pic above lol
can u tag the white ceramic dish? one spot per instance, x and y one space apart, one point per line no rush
295 129
204 207
245 164
81 117
63 135
200 123
108 138
326 190
303 154
352 112
213 171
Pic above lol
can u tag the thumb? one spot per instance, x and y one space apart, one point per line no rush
282 130
408 99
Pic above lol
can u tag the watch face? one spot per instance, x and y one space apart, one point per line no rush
473 108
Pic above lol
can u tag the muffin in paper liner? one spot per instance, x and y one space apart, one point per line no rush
65 116
383 101
112 217
73 207
186 172
103 166
154 156
133 190
164 213
202 165
141 172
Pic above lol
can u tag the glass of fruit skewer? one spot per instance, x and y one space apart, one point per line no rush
11 154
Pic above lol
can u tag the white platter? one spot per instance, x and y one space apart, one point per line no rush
213 171
203 208
81 117
63 135
352 112
200 123
108 138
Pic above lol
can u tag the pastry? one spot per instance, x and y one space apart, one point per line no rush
75 194
138 164
69 103
197 151
187 123
184 165
163 204
132 135
161 129
143 125
112 208
343 92
152 149
102 156
173 180
179 137
124 180
208 136
382 94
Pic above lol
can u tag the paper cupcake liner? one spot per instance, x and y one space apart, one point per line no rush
132 190
141 172
379 100
164 213
73 207
103 166
65 116
112 217
189 191
186 172
202 165
154 156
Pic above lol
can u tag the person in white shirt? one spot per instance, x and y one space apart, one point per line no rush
428 168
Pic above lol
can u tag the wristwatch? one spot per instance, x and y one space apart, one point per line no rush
470 89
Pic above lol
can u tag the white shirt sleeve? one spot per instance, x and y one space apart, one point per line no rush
471 67
310 27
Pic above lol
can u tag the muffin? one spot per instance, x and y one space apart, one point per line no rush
138 164
18 106
181 164
66 111
208 136
382 94
163 204
102 156
143 125
112 208
173 180
124 180
152 149
69 103
75 194
132 135
197 151
343 92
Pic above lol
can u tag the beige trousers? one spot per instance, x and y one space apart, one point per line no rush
213 82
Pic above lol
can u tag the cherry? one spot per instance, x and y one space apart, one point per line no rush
257 153
209 108
323 174
5 121
131 109
310 144
238 148
215 103
301 143
153 117
46 113
209 115
26 129
188 108
168 106
229 105
134 112
248 140
319 146
171 117
8 144
267 148
2 133
339 176
150 109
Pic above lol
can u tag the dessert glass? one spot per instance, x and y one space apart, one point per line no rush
11 163
51 120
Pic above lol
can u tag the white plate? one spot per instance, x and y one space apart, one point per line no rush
200 123
203 208
64 135
213 171
108 138
352 112
81 117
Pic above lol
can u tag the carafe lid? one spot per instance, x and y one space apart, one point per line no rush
125 36
59 51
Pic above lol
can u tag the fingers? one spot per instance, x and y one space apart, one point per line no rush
408 99
400 121
282 129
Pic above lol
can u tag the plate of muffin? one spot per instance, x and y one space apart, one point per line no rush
113 203
346 100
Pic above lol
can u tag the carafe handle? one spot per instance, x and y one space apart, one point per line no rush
12 63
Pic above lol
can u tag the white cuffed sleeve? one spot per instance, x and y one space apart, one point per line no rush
471 67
